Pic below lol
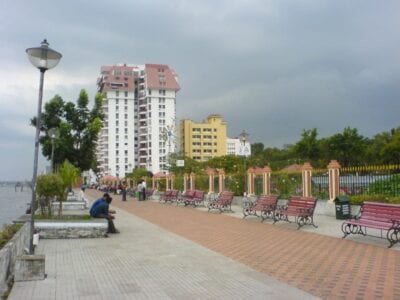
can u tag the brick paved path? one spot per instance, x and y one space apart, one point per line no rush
326 267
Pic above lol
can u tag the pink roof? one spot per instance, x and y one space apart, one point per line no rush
124 81
159 174
161 77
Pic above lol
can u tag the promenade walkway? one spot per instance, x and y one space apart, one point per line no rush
145 261
171 259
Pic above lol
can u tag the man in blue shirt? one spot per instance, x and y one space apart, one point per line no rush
100 209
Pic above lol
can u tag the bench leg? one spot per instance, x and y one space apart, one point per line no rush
393 236
352 229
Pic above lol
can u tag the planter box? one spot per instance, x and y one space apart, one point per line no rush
59 229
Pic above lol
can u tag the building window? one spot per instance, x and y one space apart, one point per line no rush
126 95
149 92
117 94
117 116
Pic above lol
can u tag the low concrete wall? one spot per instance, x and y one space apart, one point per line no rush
9 253
51 229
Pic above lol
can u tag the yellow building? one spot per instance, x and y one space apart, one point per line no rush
202 141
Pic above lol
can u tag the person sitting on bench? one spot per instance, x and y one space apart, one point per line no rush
100 209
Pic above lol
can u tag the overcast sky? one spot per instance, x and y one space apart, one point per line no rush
270 67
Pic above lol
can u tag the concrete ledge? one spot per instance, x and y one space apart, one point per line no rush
58 229
8 256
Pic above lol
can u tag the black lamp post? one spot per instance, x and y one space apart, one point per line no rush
54 133
43 58
243 138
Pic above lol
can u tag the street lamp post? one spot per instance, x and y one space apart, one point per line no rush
243 138
43 58
54 133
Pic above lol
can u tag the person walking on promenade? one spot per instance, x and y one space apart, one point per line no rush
144 190
100 209
123 192
140 190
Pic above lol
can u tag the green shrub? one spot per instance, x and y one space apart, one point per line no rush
7 233
358 200
48 187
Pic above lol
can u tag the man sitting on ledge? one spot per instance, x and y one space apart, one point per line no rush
100 209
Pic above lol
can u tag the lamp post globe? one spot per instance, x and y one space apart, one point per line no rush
43 58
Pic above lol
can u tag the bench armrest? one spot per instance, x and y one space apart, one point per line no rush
281 207
247 203
395 223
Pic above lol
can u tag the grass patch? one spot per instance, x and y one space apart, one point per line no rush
63 218
8 232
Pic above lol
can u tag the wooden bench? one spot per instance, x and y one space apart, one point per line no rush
196 199
381 216
149 193
185 197
169 196
222 202
301 208
263 207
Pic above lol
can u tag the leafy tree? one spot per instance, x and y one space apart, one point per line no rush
140 173
190 165
348 147
79 128
391 151
374 153
257 149
308 147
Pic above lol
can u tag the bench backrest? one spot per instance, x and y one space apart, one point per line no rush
198 194
189 193
302 202
225 197
380 212
267 200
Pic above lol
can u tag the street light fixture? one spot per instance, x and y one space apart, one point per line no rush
243 138
43 58
54 133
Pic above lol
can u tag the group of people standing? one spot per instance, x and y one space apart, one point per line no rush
141 190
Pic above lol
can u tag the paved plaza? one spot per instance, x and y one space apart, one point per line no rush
166 251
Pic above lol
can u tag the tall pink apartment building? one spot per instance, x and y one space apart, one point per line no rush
139 108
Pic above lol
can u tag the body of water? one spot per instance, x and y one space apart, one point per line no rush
13 202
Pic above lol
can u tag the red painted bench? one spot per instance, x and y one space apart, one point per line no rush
381 216
196 199
263 207
169 196
222 202
185 197
301 208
